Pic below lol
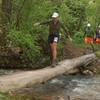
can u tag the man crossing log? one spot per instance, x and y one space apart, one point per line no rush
54 30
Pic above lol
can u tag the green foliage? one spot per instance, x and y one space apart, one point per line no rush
25 41
77 12
25 13
78 38
6 96
92 12
97 54
3 96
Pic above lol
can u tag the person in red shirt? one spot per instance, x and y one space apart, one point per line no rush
89 36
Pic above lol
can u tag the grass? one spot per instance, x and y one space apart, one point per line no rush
23 97
82 45
97 53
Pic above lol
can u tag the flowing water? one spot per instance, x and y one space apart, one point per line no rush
76 87
65 87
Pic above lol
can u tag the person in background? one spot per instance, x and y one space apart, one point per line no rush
53 37
89 35
97 36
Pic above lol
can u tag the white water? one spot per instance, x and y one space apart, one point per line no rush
76 87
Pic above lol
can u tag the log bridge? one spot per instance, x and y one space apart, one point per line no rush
29 78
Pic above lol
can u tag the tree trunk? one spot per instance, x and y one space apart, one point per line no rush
29 78
7 9
18 15
5 18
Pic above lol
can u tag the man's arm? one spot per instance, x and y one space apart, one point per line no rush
45 23
42 23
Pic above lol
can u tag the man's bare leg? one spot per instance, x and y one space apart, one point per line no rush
54 53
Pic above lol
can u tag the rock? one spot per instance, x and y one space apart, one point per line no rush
1 31
58 98
16 50
88 72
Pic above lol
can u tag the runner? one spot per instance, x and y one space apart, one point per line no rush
89 35
97 37
54 29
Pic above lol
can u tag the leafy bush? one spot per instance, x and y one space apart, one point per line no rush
25 13
27 42
78 37
78 40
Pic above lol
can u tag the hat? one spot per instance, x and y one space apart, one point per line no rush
88 24
55 14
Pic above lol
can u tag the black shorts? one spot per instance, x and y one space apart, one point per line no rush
53 38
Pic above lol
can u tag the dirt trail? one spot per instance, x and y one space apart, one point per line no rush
70 51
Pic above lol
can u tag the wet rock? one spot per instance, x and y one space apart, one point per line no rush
58 98
55 81
16 50
1 32
80 98
88 72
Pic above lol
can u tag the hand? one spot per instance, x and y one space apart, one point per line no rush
36 24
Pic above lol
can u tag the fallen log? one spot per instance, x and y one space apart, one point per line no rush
29 78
